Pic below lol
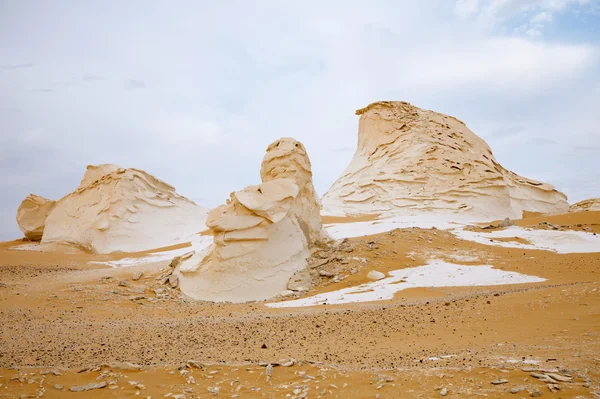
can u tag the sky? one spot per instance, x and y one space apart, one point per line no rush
193 92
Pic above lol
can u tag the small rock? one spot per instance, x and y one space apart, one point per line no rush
123 283
375 275
137 276
173 280
560 378
444 392
287 363
300 281
535 394
124 366
500 381
88 387
285 293
516 389
507 222
58 386
269 371
325 273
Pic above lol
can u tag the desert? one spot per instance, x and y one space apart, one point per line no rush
300 201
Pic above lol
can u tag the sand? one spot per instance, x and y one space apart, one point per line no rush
60 311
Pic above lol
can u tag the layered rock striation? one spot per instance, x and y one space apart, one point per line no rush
262 235
414 162
31 216
128 210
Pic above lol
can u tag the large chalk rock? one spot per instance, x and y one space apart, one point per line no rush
123 210
414 162
261 236
31 216
286 158
591 204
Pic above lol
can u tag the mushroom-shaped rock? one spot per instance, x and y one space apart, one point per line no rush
287 158
414 162
31 216
125 210
261 236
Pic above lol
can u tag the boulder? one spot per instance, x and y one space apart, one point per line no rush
31 216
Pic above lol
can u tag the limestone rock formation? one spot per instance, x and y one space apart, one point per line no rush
95 172
262 235
31 216
286 158
414 162
122 210
591 204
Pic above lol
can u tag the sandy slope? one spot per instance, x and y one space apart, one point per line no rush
57 312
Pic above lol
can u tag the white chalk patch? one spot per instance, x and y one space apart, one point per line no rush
198 244
436 273
562 242
27 247
358 229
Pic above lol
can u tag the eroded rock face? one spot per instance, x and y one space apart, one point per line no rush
415 162
261 236
286 158
31 216
95 172
591 204
123 210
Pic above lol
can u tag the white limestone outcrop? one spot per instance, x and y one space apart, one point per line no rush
261 236
416 162
31 216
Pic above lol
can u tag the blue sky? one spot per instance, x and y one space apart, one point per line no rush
194 91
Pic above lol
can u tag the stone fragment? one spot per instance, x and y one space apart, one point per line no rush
375 275
88 387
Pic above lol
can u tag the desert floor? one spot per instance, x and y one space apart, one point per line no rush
67 323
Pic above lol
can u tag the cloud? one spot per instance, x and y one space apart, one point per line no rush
15 66
536 13
133 84
92 78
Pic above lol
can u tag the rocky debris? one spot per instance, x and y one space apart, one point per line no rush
500 381
174 280
300 281
325 273
535 393
126 366
88 387
516 390
32 214
137 276
551 377
375 275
